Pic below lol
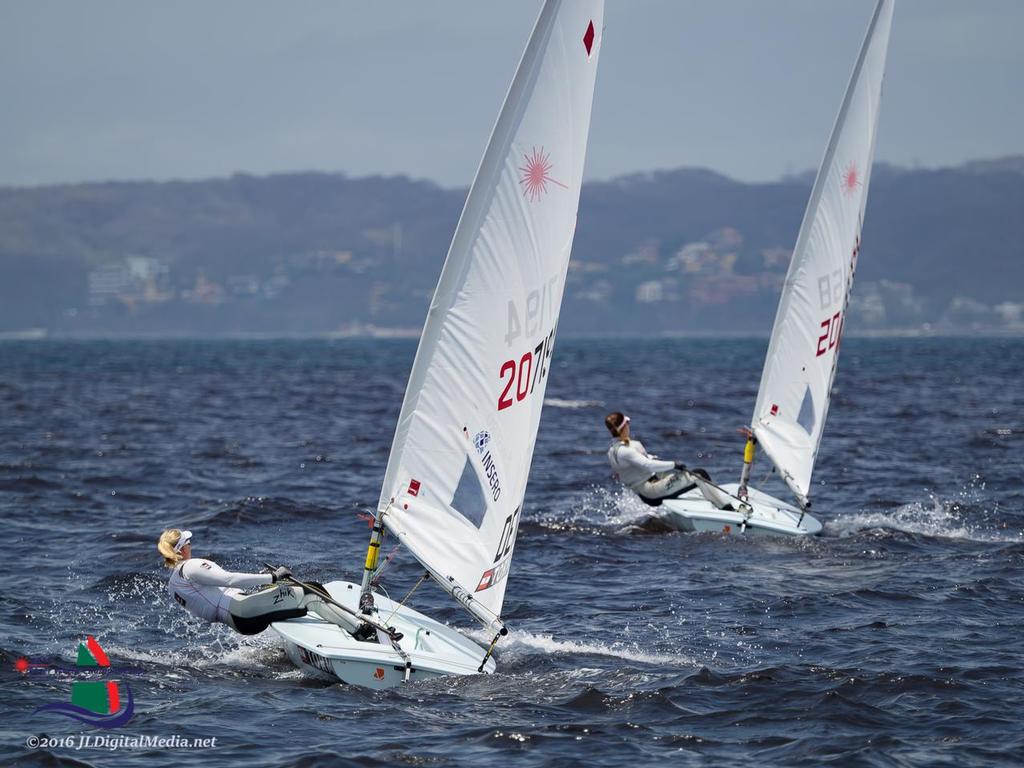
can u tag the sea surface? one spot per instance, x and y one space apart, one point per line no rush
894 639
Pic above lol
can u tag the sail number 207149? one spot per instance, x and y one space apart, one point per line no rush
832 329
833 289
519 376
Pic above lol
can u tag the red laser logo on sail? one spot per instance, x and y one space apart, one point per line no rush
851 179
536 175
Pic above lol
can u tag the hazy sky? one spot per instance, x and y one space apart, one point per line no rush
132 89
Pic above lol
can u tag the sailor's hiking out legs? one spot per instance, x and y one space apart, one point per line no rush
669 485
328 612
251 614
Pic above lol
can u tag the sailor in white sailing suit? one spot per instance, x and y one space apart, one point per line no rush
206 590
652 478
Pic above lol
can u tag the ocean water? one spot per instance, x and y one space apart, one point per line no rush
893 639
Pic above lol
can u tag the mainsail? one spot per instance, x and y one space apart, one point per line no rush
797 380
462 450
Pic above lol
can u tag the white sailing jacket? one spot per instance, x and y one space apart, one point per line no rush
634 466
205 589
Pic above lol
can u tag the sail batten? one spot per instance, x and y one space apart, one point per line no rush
796 382
463 446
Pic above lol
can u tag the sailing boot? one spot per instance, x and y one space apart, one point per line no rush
366 634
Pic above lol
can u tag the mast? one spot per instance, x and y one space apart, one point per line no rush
370 564
748 462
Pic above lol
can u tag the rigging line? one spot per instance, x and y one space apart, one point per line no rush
326 597
424 577
375 577
490 650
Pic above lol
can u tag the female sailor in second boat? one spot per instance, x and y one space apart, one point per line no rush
206 590
652 478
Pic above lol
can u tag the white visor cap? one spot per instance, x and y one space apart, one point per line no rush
183 541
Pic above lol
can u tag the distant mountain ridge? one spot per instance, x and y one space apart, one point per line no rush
679 251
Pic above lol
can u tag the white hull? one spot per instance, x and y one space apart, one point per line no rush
770 516
325 651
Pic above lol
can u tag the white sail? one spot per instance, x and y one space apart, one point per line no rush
462 450
797 380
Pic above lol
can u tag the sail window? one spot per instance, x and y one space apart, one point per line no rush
806 417
469 500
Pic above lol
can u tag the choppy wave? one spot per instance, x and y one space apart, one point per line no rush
528 643
601 509
945 518
557 402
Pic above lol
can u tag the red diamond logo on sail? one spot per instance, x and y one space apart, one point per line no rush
588 37
485 580
536 174
775 410
851 179
414 487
